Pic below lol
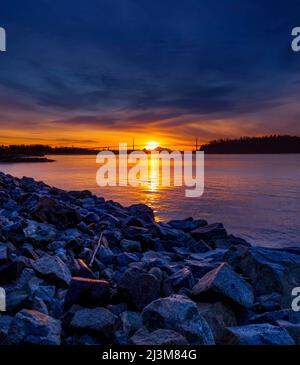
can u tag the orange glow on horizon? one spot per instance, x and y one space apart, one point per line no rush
150 146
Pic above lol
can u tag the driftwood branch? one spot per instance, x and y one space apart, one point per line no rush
96 250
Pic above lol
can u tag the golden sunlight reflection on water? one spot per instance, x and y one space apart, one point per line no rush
255 196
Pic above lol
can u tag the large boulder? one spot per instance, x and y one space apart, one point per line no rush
33 327
188 224
40 233
131 322
160 337
88 293
5 322
292 328
218 316
49 210
182 279
272 271
3 253
257 334
211 231
143 212
224 283
180 314
139 288
53 269
200 268
130 246
10 271
97 320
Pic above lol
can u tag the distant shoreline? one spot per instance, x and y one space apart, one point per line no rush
25 159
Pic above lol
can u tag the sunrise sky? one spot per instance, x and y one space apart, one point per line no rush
99 72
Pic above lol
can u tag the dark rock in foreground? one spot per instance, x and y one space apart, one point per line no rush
79 270
180 314
258 334
32 327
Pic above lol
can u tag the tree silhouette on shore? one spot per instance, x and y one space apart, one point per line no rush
244 145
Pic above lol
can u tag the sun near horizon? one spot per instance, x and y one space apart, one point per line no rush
152 145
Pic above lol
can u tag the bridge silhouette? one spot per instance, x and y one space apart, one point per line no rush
195 146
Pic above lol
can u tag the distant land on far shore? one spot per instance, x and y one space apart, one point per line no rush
274 144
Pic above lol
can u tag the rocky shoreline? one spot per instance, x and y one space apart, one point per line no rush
79 270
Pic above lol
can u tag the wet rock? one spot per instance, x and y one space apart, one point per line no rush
49 210
117 309
139 288
32 327
228 242
218 316
5 322
160 337
142 211
199 246
257 334
213 256
105 255
187 225
200 268
10 271
168 233
97 320
131 322
182 279
40 233
54 269
14 232
16 300
130 246
271 317
124 259
223 282
209 232
180 314
3 253
292 328
272 271
88 293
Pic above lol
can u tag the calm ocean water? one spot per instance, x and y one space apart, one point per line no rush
257 197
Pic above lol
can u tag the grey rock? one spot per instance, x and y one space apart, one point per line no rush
223 282
131 322
182 279
218 316
139 288
257 334
88 293
97 320
200 268
40 233
180 314
32 327
292 328
209 232
53 269
160 337
272 271
5 322
3 253
130 246
187 225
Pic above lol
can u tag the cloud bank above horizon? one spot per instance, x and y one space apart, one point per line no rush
85 73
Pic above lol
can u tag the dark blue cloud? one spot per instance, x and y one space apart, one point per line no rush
160 62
